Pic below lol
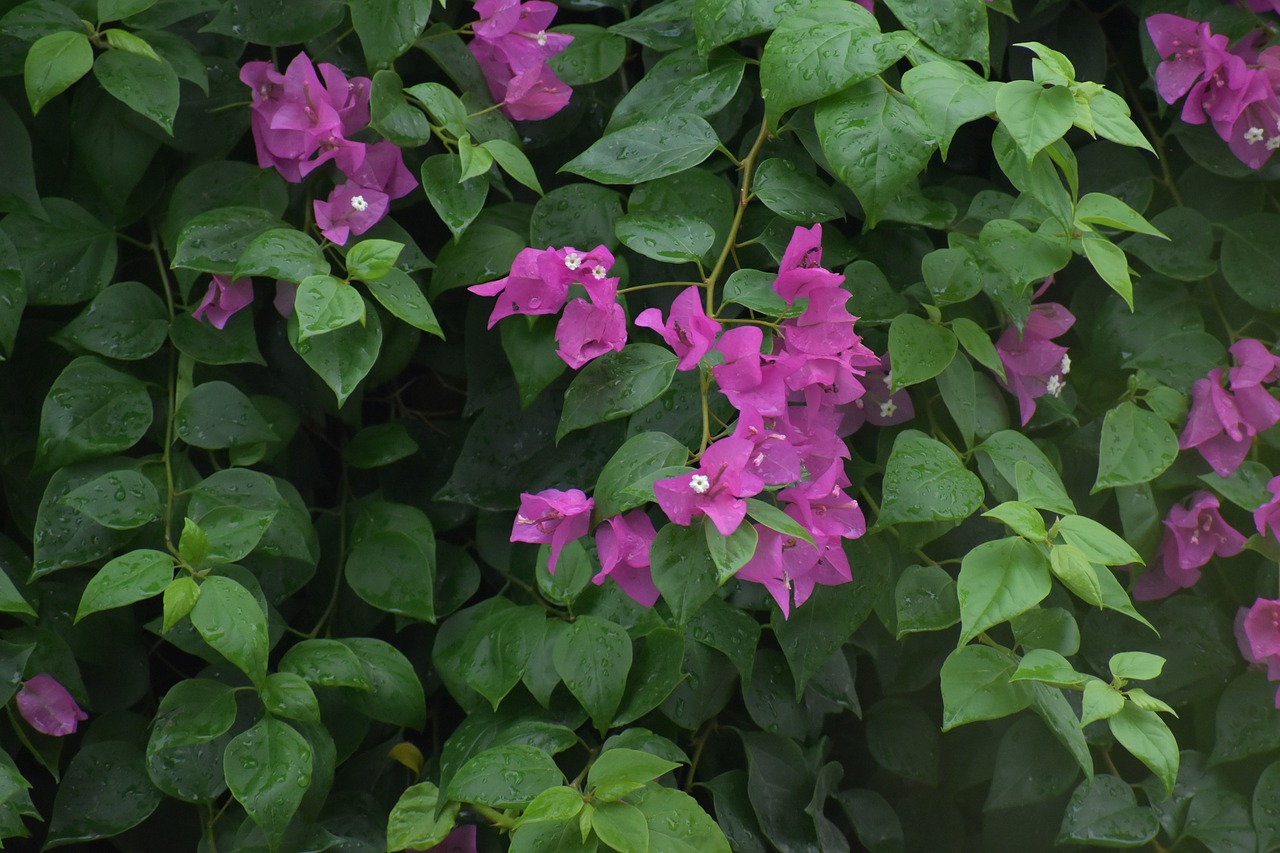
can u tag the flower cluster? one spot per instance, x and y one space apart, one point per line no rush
1232 87
797 396
539 284
1034 366
1192 537
299 123
1223 420
1258 635
512 47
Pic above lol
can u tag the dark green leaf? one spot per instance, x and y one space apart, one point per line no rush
615 385
91 410
268 769
217 415
505 777
457 202
147 86
926 481
593 657
105 791
646 150
395 693
126 579
53 63
120 500
669 239
683 569
387 28
341 358
918 349
1105 813
67 258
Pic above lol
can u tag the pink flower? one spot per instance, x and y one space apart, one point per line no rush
1268 515
552 516
223 298
1190 51
877 407
623 544
1192 537
511 47
1033 364
350 209
790 568
688 331
1257 631
588 330
800 270
715 490
1222 423
540 278
48 707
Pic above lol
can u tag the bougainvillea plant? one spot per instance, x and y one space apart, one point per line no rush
692 425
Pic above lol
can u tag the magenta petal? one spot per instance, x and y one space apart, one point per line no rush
48 707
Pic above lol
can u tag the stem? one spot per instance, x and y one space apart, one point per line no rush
636 287
494 816
171 405
207 818
706 410
340 569
744 194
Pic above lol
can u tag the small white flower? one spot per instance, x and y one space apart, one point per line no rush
573 260
1055 385
542 38
888 379
359 204
1066 364
1252 135
598 272
887 409
700 483
1273 143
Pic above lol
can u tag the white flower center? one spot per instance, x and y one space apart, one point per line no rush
699 483
1055 385
542 38
1273 143
888 379
887 409
1252 135
1066 364
598 272
573 260
359 204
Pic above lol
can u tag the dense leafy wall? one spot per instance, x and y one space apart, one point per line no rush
682 425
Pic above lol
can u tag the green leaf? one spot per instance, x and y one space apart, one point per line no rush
593 657
179 597
948 95
505 777
379 445
1035 115
388 28
826 48
105 791
1264 819
115 10
956 30
976 686
1110 263
443 105
657 671
456 201
719 22
53 63
1111 120
130 577
729 631
793 193
1147 737
646 150
215 240
919 350
120 500
1048 667
620 772
65 259
754 289
729 553
998 580
392 116
669 239
978 344
18 192
1141 666
816 630
1110 212
662 27
325 304
325 663
681 83
925 481
269 769
683 569
514 162
1070 565
400 294
616 385
127 321
1030 767
1105 813
1057 713
575 215
217 415
393 568
91 410
1251 259
875 141
290 696
341 358
498 648
779 785
1097 542
231 621
187 742
925 600
1023 519
1245 722
775 519
678 824
531 350
594 54
265 22
282 253
394 694
147 86
413 822
621 826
